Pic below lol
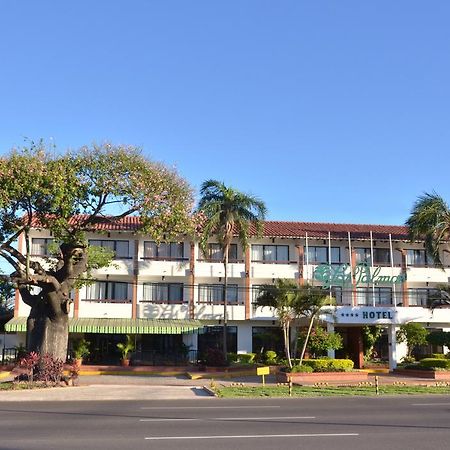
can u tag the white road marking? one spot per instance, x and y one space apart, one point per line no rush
430 404
223 418
167 420
250 436
263 418
209 407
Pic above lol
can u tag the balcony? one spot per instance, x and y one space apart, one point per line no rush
207 268
273 269
169 268
152 310
117 267
204 311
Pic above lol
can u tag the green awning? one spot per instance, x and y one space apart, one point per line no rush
119 326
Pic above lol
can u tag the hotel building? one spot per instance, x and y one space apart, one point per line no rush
170 296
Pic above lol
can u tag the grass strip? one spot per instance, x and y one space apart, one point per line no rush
324 391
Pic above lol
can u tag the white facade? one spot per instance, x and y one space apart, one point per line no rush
176 281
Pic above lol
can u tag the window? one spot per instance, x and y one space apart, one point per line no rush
256 290
336 293
39 246
165 250
213 294
215 253
363 256
382 256
423 296
108 291
418 258
120 248
270 253
381 295
170 293
319 255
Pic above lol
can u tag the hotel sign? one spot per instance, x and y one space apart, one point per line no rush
366 315
343 275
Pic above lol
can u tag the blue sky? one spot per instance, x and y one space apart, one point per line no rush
335 111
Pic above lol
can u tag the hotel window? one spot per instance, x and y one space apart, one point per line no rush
336 293
215 253
418 258
423 296
381 295
120 248
40 246
213 294
170 293
319 255
382 256
165 250
269 253
108 291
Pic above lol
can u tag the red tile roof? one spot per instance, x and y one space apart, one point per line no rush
274 229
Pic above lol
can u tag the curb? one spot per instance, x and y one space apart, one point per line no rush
4 375
209 391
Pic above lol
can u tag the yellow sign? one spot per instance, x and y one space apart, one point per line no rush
262 370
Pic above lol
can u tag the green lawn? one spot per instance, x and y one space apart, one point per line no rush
314 391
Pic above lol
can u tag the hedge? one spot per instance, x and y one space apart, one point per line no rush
329 365
431 363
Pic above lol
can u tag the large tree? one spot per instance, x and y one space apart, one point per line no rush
430 220
228 212
69 194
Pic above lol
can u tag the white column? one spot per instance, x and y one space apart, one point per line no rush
244 338
330 329
396 350
392 339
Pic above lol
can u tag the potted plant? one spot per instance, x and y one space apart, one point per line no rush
80 350
126 348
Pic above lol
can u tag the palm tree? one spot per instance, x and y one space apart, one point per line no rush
228 211
292 302
430 219
282 296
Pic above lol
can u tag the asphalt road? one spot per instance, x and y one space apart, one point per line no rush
395 423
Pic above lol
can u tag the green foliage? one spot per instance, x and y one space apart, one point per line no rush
270 357
232 357
370 335
413 334
302 369
435 363
441 338
430 217
225 211
329 365
70 193
438 356
246 358
126 347
81 348
321 340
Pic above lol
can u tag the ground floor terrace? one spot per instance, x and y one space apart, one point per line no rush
172 342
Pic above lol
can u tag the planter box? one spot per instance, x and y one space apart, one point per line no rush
443 375
319 377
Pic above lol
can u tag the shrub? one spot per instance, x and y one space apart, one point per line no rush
246 358
438 356
232 357
270 357
49 369
329 365
433 363
302 369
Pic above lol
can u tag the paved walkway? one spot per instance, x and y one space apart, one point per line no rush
156 387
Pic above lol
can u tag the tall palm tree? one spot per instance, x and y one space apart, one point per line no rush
228 211
430 219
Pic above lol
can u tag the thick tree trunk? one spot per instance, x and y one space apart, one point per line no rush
48 327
